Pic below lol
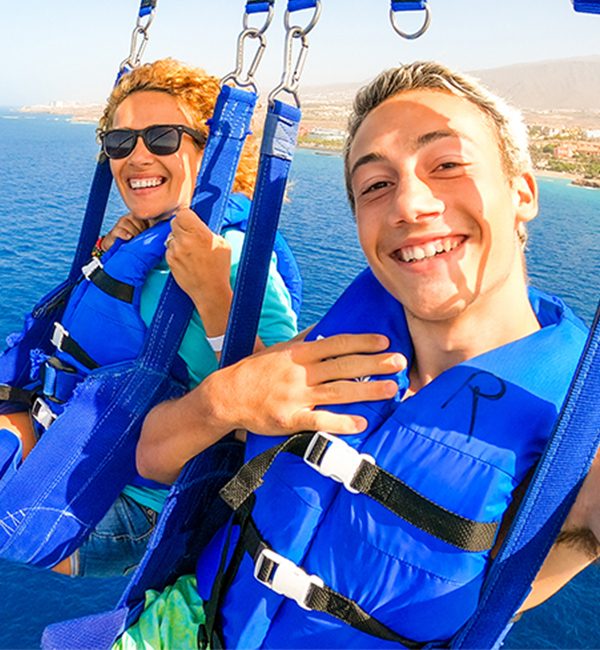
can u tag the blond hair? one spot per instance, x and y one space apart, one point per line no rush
196 93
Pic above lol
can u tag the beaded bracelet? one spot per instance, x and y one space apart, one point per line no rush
98 251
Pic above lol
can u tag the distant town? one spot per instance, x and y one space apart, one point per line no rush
563 141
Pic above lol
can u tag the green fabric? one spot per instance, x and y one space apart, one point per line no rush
277 323
169 621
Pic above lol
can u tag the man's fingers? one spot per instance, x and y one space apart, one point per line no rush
343 344
353 366
347 392
332 422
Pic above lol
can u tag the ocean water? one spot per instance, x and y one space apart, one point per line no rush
46 164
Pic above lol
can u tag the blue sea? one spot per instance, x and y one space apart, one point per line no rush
46 164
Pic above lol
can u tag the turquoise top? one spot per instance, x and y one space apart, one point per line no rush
277 323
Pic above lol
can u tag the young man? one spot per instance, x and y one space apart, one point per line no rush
462 370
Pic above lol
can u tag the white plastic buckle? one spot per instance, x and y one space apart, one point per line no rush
288 579
339 462
58 335
90 267
42 413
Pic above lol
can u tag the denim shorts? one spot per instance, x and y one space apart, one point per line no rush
118 542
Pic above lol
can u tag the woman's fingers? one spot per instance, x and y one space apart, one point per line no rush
126 228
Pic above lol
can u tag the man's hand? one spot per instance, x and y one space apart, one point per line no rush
126 228
275 391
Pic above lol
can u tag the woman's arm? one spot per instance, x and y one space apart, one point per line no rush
273 392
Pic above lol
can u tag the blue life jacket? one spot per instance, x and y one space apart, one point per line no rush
77 470
384 537
102 324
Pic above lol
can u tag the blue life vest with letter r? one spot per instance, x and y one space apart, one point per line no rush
384 537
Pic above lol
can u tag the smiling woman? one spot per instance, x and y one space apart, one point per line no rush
153 131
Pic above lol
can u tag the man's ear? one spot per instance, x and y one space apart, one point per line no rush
526 197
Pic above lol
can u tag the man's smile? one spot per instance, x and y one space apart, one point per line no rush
428 249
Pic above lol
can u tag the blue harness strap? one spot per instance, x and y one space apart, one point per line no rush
551 494
257 6
587 6
408 5
93 218
147 7
277 150
298 5
102 180
228 130
229 127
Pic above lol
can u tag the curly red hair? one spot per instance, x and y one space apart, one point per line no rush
196 92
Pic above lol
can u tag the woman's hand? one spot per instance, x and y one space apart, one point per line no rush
201 264
126 228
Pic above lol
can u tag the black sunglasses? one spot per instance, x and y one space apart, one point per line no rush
160 139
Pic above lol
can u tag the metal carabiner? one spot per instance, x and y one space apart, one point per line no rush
419 31
136 49
291 73
290 79
236 76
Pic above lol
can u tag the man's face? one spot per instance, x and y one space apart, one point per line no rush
436 213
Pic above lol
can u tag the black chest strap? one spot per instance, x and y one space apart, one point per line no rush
331 456
95 273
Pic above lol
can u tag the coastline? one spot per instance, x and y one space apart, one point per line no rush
547 173
578 181
574 179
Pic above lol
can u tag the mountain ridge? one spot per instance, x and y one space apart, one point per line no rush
555 84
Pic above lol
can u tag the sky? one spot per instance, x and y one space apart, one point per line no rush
69 50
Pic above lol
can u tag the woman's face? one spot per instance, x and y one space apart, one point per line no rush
154 186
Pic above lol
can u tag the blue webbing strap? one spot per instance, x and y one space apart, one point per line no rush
99 190
558 477
587 6
178 529
92 220
408 5
147 7
229 126
277 150
297 5
256 6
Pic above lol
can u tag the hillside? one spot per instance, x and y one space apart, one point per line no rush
560 93
548 85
